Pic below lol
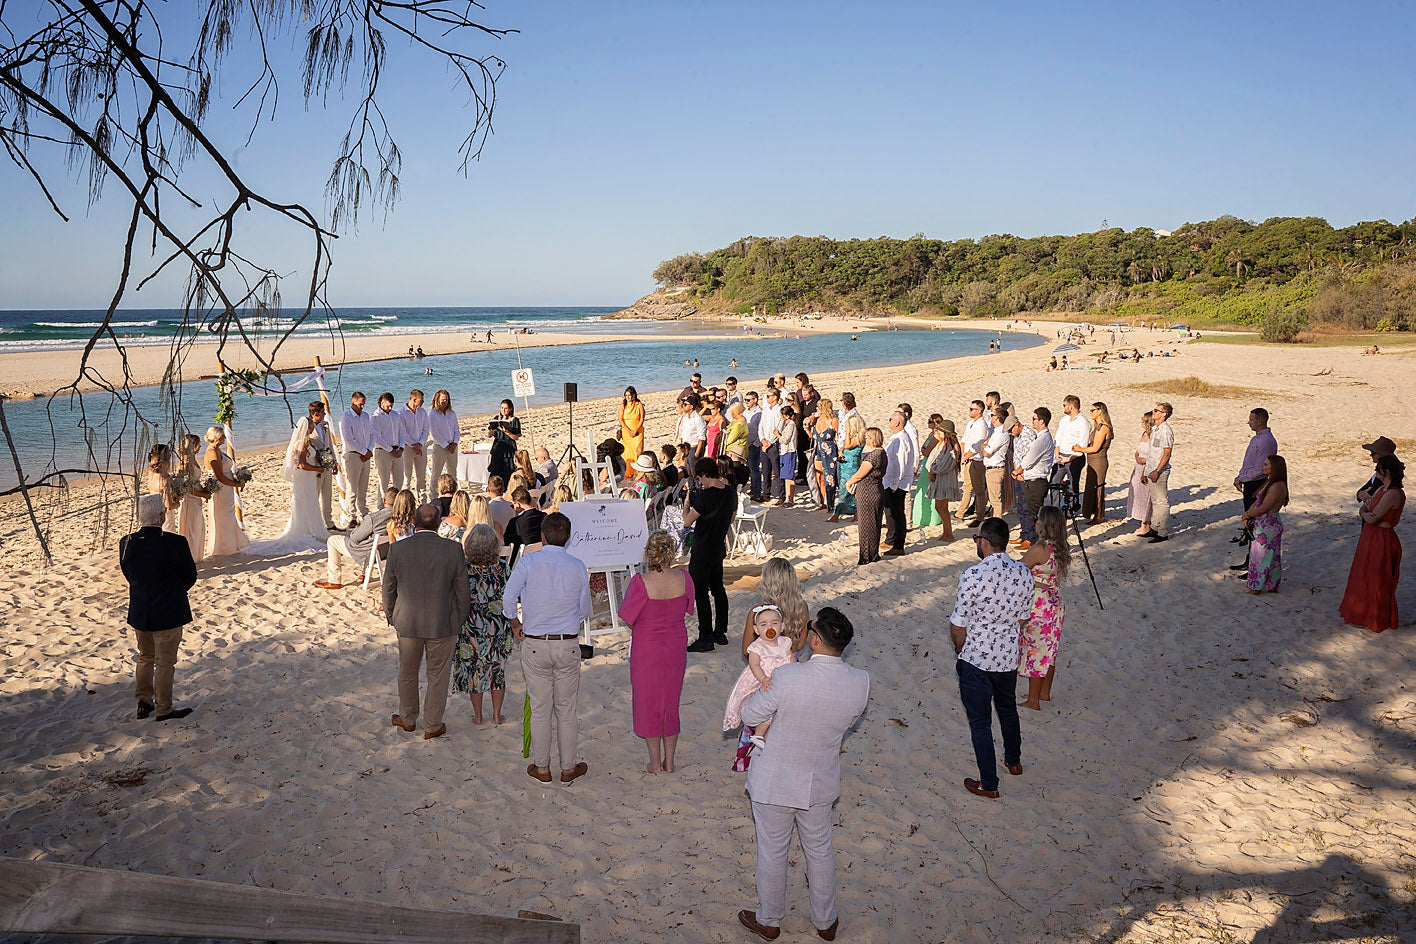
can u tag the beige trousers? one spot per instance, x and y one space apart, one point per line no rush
438 653
389 471
1160 502
357 469
415 467
338 545
994 478
156 661
552 671
440 460
973 482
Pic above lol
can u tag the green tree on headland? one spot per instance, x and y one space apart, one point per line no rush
1221 271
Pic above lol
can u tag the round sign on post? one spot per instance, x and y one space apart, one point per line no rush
522 383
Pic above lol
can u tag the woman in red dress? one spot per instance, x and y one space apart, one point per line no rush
1370 599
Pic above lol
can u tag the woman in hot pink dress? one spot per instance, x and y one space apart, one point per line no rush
655 605
1049 558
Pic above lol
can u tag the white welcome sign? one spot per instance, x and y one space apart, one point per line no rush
606 532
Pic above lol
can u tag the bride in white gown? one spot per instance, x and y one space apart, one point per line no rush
306 529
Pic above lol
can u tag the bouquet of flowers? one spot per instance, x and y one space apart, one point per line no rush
243 474
210 485
325 459
179 484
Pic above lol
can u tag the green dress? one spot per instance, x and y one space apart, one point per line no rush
485 643
925 514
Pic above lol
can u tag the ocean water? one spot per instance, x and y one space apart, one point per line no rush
22 330
52 432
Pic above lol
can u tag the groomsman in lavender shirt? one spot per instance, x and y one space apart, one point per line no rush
1251 476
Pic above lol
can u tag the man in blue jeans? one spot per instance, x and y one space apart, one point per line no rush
993 603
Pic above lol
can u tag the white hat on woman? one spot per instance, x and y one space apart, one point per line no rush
642 463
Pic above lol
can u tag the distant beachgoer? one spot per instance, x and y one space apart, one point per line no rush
733 364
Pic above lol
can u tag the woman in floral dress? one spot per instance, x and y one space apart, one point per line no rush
484 645
1266 548
1049 559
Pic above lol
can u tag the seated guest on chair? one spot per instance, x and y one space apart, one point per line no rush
357 544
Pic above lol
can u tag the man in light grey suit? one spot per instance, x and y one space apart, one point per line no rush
796 778
426 597
357 545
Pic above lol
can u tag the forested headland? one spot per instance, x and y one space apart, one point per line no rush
1281 275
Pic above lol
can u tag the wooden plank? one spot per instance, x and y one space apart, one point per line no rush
48 898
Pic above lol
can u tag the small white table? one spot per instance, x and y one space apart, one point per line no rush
472 466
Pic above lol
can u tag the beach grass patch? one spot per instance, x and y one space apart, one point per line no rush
1195 387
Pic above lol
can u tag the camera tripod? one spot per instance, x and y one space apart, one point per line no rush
1066 500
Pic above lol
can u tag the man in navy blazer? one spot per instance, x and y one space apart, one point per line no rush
796 778
160 571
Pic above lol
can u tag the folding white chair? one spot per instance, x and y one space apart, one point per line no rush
376 558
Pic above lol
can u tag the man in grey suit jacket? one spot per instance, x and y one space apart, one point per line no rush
796 778
357 545
426 597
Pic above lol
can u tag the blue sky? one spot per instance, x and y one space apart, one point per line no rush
629 132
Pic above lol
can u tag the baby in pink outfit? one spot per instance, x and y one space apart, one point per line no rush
771 648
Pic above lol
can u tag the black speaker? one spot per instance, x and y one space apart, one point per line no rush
572 393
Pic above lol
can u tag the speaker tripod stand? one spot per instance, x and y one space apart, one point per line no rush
572 394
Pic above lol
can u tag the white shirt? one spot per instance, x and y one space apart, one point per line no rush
554 589
767 425
415 425
1162 438
995 596
1072 431
997 448
388 430
692 429
1037 461
753 416
444 428
914 436
357 430
899 469
976 433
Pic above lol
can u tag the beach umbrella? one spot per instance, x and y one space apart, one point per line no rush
1174 326
1065 348
1117 324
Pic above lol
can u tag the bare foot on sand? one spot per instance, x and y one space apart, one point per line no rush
1030 704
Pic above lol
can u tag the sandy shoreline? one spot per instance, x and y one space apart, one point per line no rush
1164 796
40 373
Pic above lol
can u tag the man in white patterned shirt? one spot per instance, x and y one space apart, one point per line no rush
992 607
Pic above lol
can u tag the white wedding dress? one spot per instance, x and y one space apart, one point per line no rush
305 530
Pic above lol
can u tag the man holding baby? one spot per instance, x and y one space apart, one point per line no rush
796 778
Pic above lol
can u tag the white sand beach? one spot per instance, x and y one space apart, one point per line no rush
1165 797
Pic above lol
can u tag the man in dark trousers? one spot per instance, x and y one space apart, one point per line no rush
160 571
425 597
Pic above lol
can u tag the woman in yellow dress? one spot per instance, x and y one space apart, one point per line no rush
631 420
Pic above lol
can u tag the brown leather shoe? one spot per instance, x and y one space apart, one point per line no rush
894 552
535 772
326 585
579 770
974 787
398 722
829 934
437 732
1015 769
749 921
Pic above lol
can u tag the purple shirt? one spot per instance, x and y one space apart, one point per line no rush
1261 446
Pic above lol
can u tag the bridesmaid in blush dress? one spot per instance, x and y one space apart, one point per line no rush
655 606
190 522
227 535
